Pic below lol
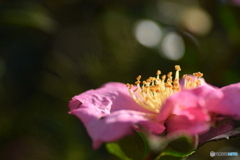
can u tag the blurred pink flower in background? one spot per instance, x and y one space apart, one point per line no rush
237 2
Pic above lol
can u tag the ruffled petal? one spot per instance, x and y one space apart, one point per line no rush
110 97
184 124
114 126
185 111
211 95
109 113
230 103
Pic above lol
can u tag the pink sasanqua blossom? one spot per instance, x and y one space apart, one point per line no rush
155 105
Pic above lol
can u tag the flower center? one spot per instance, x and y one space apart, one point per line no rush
153 92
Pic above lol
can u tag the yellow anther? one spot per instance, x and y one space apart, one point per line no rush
137 82
176 81
185 76
168 84
177 67
149 79
163 77
198 82
195 74
130 86
152 88
153 92
188 78
198 74
138 77
169 74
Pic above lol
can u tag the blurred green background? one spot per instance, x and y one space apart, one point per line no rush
51 50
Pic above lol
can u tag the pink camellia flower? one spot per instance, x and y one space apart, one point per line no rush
155 105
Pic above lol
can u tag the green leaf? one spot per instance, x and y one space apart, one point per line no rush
116 150
129 147
35 16
170 154
146 144
169 157
133 147
181 143
174 153
178 147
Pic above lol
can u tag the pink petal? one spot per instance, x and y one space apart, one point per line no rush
182 123
211 95
110 97
230 103
185 111
109 113
114 126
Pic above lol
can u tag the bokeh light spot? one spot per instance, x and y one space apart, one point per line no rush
148 33
197 21
172 46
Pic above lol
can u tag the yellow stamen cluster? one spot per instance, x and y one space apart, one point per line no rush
152 93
